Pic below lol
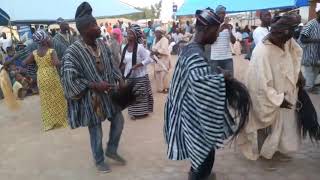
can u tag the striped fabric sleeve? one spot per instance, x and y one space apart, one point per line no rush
208 96
307 30
73 82
57 46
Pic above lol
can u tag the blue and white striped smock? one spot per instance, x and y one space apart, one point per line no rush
311 51
195 109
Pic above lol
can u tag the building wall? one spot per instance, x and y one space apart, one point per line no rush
304 13
312 12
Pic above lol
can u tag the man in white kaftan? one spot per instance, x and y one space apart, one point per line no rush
272 78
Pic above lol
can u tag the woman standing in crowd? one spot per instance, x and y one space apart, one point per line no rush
237 45
133 64
53 104
245 39
161 68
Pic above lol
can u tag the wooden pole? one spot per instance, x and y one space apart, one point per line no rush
13 39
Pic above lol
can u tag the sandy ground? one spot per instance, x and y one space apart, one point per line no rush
64 154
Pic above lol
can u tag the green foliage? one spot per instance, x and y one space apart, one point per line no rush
157 8
152 12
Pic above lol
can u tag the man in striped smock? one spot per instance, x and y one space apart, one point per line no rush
88 73
195 121
63 39
310 39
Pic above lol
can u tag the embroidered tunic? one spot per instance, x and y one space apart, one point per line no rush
78 70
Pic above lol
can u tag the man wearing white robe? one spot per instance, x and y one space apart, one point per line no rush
272 82
262 31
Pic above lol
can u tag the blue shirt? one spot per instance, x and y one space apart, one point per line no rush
149 34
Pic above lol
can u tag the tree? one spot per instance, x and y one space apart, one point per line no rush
156 9
152 12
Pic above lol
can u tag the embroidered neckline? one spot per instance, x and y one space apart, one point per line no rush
96 53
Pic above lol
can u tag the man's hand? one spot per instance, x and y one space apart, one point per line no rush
154 53
137 66
100 86
71 30
225 26
286 104
104 86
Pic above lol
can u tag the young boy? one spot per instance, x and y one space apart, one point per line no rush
21 86
14 57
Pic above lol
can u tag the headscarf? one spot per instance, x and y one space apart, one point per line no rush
118 33
220 8
139 40
84 16
286 22
40 36
207 17
136 29
160 29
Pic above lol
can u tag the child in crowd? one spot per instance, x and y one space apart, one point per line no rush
14 58
21 86
10 54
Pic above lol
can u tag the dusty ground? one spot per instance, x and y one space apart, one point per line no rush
29 154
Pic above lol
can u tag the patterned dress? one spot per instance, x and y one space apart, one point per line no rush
144 104
53 103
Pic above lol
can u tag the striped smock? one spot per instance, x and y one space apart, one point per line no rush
311 51
78 70
195 109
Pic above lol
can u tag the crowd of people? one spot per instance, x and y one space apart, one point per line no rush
78 75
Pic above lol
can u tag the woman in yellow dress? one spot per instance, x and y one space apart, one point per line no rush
52 101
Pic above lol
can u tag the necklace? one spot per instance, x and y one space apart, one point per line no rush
97 54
